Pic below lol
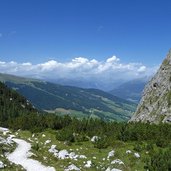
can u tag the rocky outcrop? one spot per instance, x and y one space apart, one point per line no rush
155 104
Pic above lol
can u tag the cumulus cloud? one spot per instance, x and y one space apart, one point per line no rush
142 69
112 59
80 68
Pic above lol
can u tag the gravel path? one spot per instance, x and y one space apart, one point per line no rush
20 157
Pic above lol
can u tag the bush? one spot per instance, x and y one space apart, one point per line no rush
160 161
101 143
138 147
65 135
35 146
80 137
162 142
169 98
149 147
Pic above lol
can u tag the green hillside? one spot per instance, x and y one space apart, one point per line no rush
12 105
75 101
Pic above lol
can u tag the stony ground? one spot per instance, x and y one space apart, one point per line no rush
76 156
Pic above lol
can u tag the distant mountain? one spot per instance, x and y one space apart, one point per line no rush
75 101
102 84
131 90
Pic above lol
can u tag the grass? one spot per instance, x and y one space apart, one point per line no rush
84 148
97 156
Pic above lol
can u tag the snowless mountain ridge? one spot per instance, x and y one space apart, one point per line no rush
155 104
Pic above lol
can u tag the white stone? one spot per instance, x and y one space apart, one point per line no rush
4 129
117 161
137 155
72 155
111 154
43 135
53 149
82 157
9 140
114 169
72 167
164 110
88 164
108 169
30 139
47 142
1 165
63 154
95 138
44 158
2 140
128 152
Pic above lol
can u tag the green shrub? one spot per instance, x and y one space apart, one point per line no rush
100 143
35 146
169 98
159 161
138 147
170 78
65 135
149 147
162 142
80 137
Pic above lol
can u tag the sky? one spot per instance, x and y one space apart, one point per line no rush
83 35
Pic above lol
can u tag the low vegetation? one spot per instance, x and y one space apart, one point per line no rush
138 145
169 98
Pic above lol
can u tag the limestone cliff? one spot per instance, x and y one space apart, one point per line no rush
155 104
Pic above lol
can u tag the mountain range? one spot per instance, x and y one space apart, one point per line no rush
131 90
128 90
71 100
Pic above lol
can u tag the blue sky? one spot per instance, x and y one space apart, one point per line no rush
38 31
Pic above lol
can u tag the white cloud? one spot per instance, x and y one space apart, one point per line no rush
112 59
80 68
142 69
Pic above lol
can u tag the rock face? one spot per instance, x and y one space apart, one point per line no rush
155 104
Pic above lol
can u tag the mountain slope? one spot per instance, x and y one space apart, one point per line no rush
71 100
155 105
12 104
130 90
